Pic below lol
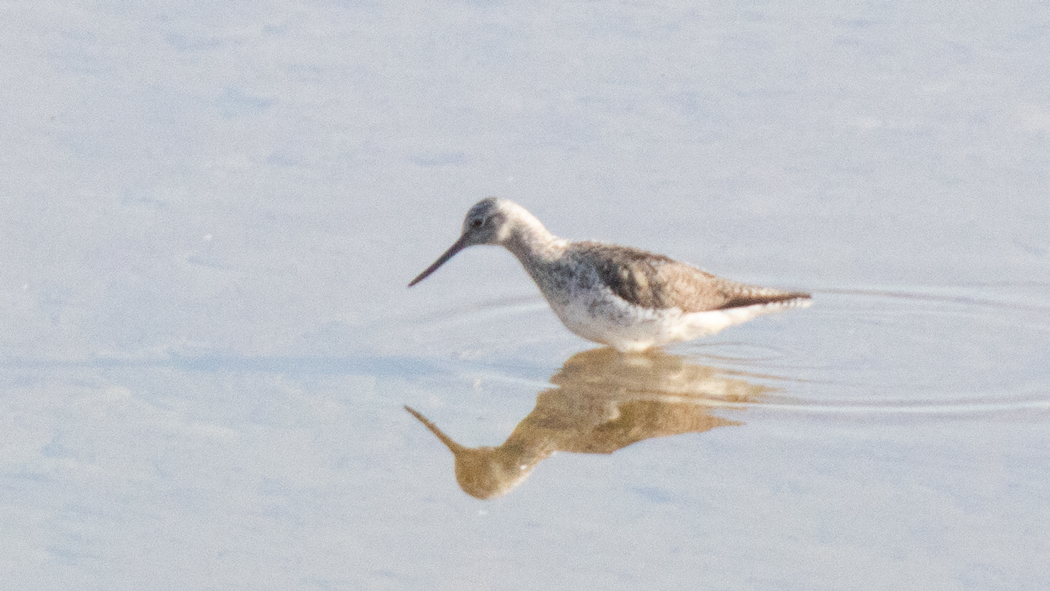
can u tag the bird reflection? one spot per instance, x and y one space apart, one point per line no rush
602 401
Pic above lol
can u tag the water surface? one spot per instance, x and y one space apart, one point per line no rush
211 215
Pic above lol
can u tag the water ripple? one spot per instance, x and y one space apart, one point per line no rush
934 350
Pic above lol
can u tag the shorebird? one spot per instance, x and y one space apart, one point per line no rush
616 295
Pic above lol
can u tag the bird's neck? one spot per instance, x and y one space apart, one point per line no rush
533 244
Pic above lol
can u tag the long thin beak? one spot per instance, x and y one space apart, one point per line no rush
452 445
451 252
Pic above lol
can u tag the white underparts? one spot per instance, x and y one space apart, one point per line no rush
627 327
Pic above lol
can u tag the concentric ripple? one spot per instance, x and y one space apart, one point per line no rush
889 351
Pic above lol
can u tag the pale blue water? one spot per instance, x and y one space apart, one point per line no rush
210 215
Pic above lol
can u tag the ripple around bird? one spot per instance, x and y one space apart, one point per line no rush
963 351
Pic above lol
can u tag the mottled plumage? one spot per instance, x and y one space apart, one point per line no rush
654 281
616 295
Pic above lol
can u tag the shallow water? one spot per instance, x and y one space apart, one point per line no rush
207 345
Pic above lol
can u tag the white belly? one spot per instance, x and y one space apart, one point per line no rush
609 320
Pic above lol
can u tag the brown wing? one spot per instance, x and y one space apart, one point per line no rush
655 281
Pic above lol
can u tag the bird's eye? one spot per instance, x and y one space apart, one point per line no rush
476 223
